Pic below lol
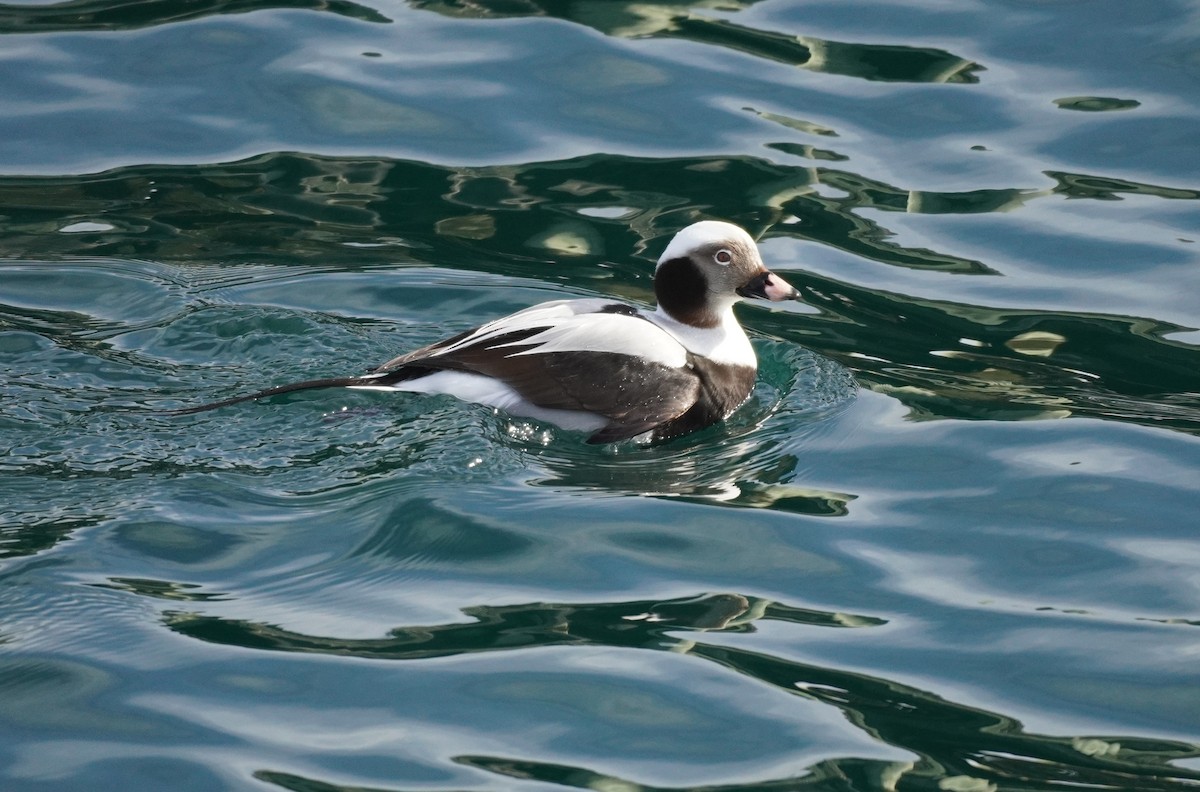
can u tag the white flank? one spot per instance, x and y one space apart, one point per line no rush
491 392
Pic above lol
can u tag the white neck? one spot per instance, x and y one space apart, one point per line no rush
725 343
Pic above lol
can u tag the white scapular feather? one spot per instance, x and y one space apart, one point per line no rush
575 326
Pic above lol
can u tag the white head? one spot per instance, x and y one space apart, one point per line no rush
709 266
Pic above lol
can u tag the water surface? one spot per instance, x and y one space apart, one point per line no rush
949 544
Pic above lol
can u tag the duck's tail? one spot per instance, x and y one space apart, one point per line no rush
378 380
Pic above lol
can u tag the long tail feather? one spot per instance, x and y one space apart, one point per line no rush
330 382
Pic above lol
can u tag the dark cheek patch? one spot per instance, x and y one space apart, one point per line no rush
682 291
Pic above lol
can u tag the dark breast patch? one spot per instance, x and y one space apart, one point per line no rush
723 388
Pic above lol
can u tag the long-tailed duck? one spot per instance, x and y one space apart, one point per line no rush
599 366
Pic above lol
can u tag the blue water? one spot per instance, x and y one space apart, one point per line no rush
949 544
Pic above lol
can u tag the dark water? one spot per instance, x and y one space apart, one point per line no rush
950 544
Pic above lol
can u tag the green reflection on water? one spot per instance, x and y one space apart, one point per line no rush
162 589
690 21
1096 104
84 15
644 624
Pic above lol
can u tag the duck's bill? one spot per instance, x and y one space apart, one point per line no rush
768 286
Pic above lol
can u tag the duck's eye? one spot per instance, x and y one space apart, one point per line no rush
723 256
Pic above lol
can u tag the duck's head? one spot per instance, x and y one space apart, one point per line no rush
709 266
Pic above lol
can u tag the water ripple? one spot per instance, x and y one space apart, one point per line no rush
990 749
